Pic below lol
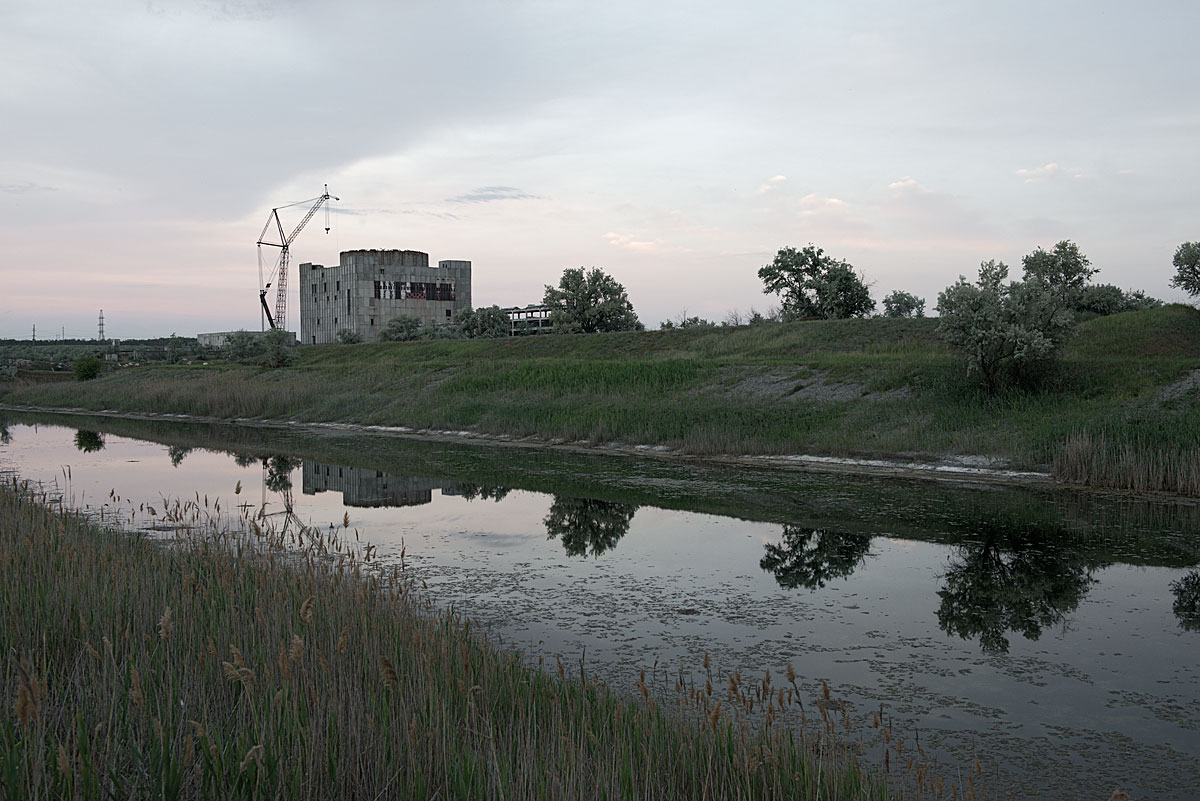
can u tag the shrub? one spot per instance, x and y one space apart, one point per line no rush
87 368
348 337
403 328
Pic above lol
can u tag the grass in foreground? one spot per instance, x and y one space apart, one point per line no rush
226 665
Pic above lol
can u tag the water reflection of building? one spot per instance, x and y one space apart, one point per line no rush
363 487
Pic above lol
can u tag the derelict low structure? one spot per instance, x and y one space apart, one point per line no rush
367 288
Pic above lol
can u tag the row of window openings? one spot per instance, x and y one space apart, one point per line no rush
449 314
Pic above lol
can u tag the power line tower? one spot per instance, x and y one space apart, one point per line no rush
100 336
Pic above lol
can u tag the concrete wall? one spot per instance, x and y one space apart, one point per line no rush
220 339
367 288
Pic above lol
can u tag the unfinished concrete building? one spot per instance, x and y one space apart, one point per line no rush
367 288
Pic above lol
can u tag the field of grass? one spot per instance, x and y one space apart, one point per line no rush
237 662
868 388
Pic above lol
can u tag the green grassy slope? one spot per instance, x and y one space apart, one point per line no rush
873 388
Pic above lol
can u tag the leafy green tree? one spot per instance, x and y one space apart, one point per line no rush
278 348
903 304
87 368
810 558
243 345
1187 268
586 525
490 322
1010 328
348 337
174 349
1062 272
88 441
589 303
402 328
813 284
1011 581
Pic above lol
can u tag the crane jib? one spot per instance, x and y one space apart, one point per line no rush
279 319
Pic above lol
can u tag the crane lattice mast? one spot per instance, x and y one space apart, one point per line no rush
279 274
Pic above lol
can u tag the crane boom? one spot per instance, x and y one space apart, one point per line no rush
280 272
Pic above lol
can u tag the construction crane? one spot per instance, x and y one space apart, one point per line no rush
279 274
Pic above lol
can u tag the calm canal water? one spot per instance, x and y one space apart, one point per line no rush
1048 633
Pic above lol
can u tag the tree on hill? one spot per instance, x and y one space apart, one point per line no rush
903 304
402 328
813 284
1009 328
1187 268
490 322
589 302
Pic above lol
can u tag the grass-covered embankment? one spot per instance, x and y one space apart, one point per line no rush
869 388
219 667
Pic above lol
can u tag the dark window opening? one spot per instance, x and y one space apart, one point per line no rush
448 313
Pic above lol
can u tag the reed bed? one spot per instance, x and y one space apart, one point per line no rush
1129 461
235 659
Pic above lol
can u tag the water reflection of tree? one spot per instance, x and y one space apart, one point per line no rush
279 472
245 459
1012 581
176 453
5 437
1187 601
588 526
810 558
89 441
484 492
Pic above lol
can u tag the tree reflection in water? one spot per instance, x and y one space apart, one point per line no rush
484 492
587 526
176 453
5 437
1187 601
1012 581
279 472
810 558
89 441
245 459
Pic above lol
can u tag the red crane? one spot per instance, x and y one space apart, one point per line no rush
279 273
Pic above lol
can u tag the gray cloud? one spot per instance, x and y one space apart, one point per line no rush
25 188
486 194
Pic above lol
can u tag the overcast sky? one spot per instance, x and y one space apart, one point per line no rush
677 146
